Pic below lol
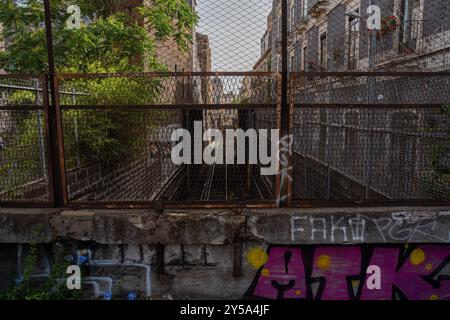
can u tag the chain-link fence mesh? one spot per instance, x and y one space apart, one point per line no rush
23 145
389 142
118 136
143 69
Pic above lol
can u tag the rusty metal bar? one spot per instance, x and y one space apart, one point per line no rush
168 106
25 204
368 105
54 120
48 138
66 76
367 203
175 205
19 75
21 107
283 176
370 74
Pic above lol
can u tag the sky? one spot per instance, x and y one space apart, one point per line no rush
235 28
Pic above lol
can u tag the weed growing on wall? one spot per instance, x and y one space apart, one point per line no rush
53 287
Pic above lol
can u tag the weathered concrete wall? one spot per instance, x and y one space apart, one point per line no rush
289 253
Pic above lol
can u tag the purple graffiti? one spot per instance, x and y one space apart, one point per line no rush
335 269
413 275
281 277
415 272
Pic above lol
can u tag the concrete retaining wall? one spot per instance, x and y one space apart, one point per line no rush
286 253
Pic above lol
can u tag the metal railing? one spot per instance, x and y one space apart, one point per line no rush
349 144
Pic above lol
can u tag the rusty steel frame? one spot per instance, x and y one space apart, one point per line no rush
57 179
284 106
192 106
159 205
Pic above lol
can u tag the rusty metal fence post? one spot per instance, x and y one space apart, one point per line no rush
284 176
54 121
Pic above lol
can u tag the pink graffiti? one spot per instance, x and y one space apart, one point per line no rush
339 273
283 275
414 278
334 269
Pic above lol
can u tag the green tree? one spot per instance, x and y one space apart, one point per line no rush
108 41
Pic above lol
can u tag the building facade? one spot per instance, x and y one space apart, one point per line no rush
378 152
331 35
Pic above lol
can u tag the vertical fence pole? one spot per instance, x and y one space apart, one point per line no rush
54 120
75 125
41 142
371 87
284 178
46 104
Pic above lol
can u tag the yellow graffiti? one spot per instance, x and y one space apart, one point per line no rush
429 267
417 257
298 292
323 262
265 272
433 297
257 257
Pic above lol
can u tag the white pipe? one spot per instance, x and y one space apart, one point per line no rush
107 279
148 292
96 287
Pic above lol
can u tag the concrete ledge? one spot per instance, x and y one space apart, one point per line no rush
216 227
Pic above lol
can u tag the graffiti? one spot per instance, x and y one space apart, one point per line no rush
257 257
284 154
419 272
398 227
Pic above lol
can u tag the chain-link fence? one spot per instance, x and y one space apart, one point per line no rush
358 89
119 136
390 142
23 146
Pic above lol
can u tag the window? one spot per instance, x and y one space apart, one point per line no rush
280 26
410 21
304 55
305 10
323 51
353 35
292 18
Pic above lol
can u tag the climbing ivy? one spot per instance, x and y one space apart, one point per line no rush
52 288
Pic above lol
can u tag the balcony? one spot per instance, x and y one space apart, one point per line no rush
406 42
